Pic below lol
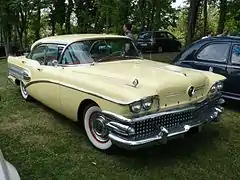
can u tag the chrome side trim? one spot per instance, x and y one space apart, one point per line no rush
16 72
19 73
82 90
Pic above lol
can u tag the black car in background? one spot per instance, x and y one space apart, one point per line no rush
217 54
158 41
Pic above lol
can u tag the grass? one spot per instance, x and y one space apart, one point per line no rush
43 145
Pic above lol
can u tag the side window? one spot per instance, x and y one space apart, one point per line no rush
77 53
38 54
214 52
236 54
161 35
67 57
51 54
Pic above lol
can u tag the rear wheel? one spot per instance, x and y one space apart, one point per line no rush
96 129
24 92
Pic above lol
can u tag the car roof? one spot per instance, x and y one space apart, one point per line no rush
222 38
155 31
70 38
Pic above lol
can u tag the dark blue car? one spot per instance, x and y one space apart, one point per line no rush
217 54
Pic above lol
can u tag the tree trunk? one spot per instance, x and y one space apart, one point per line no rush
192 19
38 22
6 42
68 17
222 16
152 15
205 13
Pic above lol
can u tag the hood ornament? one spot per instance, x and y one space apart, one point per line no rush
135 82
191 91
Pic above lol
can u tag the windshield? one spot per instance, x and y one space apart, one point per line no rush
90 51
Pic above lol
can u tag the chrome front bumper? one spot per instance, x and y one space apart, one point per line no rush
162 126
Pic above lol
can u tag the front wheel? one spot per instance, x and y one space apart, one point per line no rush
24 92
96 129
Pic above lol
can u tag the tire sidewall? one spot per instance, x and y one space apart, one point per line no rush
22 89
88 112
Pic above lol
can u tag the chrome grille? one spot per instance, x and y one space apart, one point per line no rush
151 127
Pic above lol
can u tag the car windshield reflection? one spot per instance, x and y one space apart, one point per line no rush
111 49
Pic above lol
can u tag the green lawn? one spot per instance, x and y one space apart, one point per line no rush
43 145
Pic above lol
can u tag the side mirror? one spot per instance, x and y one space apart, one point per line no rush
54 63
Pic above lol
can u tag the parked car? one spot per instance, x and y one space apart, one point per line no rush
158 41
7 170
220 55
121 98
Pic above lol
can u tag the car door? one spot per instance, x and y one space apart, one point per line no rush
161 40
45 77
214 57
172 42
233 69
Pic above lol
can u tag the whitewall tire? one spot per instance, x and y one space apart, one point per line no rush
24 92
96 129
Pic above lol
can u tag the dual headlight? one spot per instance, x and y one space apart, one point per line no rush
218 86
145 104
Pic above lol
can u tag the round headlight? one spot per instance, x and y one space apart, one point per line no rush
220 85
147 103
136 107
213 89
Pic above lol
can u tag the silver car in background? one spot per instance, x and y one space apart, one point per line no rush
7 170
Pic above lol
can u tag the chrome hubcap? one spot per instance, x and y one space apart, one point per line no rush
98 127
24 90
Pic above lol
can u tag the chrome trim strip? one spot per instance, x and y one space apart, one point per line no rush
166 134
230 97
15 71
125 142
161 113
122 118
82 90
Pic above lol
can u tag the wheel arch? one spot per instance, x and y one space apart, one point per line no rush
17 82
82 106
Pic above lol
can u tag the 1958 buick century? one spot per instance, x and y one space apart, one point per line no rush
103 82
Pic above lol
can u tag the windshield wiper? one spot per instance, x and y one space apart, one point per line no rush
122 55
106 57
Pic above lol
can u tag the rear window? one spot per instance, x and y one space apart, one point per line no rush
146 35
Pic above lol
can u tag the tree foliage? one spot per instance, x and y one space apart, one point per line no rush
24 21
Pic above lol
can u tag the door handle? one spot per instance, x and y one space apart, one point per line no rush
39 69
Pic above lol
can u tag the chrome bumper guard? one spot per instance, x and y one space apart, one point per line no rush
162 126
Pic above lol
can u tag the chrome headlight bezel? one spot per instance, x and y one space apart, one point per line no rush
219 85
143 104
216 88
135 107
147 103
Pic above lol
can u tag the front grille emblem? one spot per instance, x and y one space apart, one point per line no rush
191 91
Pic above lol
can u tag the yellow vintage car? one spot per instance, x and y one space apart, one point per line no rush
121 99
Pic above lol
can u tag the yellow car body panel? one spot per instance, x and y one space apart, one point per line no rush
109 84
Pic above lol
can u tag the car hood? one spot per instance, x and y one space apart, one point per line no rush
170 82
